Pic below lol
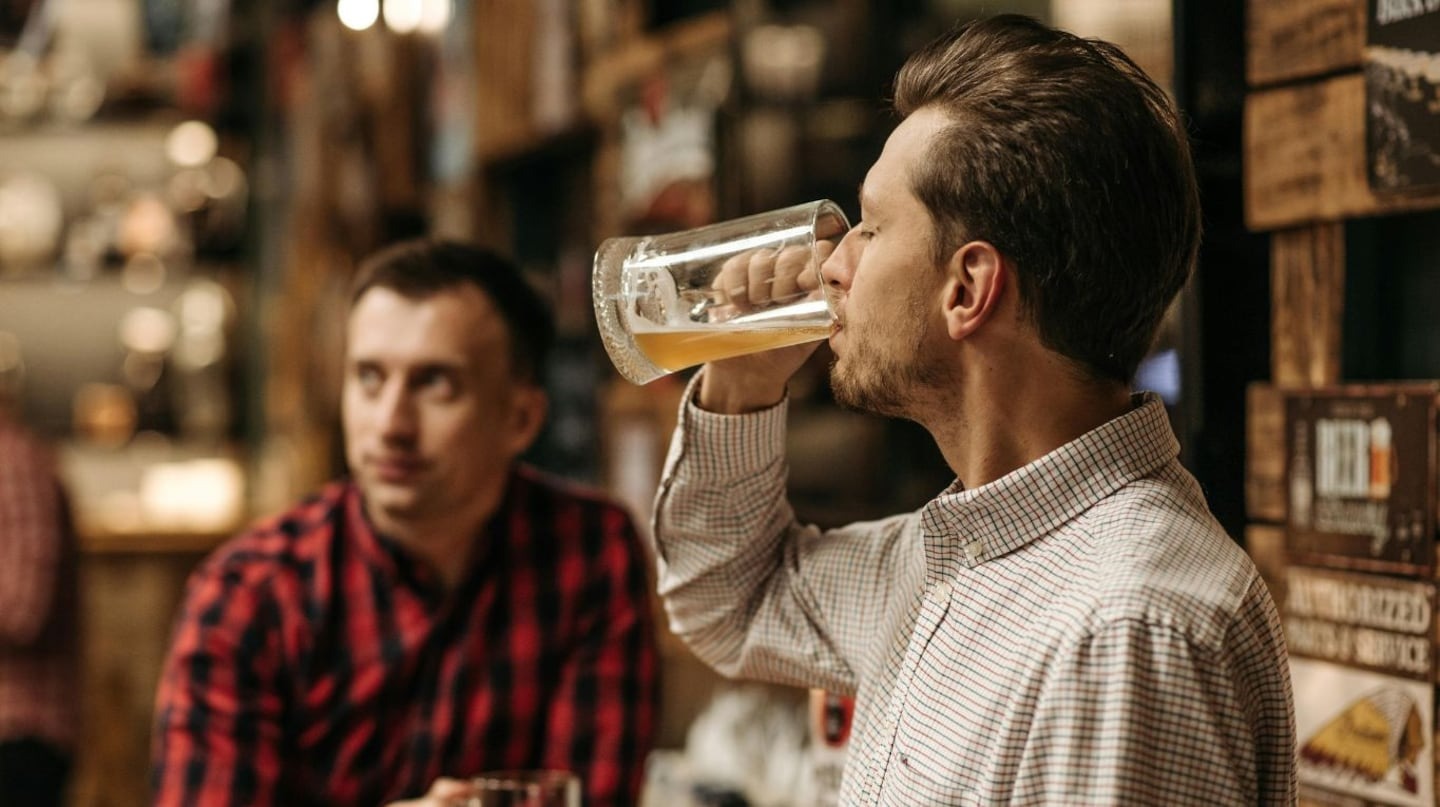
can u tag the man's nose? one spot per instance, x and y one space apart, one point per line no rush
838 269
396 413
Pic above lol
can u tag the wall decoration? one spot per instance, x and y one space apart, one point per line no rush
1402 94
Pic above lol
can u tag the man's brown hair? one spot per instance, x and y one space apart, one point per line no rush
1062 153
420 268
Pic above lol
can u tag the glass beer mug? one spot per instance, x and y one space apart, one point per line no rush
525 788
667 302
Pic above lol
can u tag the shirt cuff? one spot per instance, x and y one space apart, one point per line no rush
731 445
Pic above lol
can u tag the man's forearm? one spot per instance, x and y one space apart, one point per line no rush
727 391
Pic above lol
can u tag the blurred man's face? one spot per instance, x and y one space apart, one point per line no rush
432 415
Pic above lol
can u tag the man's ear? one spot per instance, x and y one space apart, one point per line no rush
976 275
527 416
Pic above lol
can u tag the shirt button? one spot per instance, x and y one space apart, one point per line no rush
942 591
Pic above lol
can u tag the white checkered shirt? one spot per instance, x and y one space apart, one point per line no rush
1080 631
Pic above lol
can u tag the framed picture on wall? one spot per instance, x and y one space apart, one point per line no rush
1402 95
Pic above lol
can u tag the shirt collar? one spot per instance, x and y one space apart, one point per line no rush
390 555
971 527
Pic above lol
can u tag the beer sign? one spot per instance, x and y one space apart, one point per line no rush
1362 665
1363 738
1360 469
1361 620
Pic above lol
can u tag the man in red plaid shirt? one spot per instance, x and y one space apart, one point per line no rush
446 611
38 637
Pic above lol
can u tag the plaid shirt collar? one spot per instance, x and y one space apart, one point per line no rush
970 527
409 569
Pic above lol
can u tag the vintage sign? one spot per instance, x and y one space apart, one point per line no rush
1363 736
1377 623
1362 650
1402 94
1360 471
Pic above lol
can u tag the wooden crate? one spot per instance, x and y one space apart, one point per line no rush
1290 39
1266 545
1264 453
1307 291
1305 157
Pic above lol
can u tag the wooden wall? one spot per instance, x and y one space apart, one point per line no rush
131 586
1304 141
1304 177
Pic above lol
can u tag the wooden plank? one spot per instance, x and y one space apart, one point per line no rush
1307 295
1305 157
1264 453
1266 545
504 54
1290 39
128 606
608 76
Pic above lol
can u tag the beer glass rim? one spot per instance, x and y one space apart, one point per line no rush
610 270
525 779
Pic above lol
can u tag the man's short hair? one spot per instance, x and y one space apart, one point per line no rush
1062 153
420 268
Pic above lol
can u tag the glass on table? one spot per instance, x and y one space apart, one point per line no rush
667 302
525 788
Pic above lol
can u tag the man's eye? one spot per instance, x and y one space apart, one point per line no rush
437 382
369 378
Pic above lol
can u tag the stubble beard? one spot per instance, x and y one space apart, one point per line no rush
868 381
392 505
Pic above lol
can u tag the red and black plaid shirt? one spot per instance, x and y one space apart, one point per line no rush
314 662
39 641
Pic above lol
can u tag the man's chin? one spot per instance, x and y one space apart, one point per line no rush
390 501
847 398
844 389
859 396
